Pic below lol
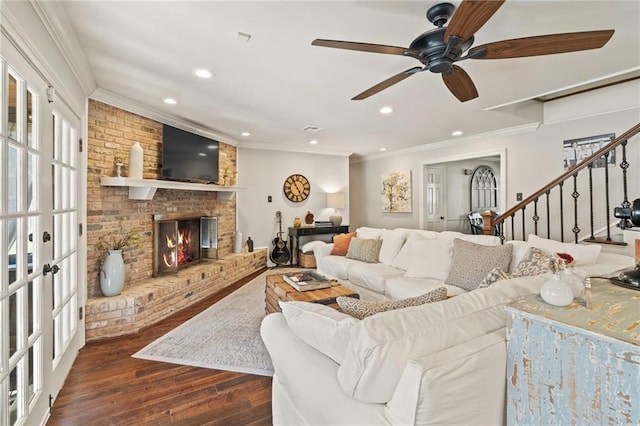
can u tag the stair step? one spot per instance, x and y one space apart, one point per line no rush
603 240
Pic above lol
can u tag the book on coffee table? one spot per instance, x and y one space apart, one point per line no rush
305 281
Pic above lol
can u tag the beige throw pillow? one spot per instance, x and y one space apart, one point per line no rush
366 250
361 308
472 262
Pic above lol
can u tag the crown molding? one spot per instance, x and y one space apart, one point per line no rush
288 148
121 102
55 21
526 128
20 39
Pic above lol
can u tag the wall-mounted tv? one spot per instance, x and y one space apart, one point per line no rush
188 157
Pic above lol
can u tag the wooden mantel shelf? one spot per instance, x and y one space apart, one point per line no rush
145 189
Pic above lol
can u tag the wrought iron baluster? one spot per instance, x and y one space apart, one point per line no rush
524 234
624 165
606 192
591 219
513 231
575 194
560 187
535 216
548 215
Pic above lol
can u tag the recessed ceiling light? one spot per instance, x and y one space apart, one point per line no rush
245 134
456 133
170 101
202 73
313 142
386 110
383 149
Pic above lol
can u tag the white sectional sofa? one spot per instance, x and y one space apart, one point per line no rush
438 363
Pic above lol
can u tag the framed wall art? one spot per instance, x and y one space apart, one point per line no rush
396 192
576 150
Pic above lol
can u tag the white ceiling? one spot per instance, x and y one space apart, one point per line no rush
278 83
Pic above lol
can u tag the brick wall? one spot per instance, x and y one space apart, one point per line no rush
111 130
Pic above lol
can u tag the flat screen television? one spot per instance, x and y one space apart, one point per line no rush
188 157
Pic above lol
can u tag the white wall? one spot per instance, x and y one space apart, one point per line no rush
533 156
263 173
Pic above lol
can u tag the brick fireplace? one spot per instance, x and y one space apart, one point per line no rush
146 299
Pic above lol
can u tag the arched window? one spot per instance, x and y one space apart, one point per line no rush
483 189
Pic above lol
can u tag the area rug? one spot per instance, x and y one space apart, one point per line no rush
226 336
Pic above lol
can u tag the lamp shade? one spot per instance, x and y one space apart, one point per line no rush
335 200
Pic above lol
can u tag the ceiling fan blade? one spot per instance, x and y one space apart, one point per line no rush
543 45
470 16
362 47
460 84
386 83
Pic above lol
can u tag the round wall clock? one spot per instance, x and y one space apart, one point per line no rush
296 188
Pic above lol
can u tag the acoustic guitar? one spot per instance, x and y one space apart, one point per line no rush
280 255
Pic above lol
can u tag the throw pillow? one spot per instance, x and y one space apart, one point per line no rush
472 262
495 275
534 262
364 250
341 243
583 254
363 308
392 241
368 233
403 258
430 259
322 327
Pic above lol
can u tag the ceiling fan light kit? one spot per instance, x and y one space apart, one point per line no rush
438 49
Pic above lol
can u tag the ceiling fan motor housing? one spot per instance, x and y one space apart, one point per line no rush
432 49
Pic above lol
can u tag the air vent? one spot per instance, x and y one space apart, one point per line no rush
314 129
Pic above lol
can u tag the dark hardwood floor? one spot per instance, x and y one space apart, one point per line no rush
107 386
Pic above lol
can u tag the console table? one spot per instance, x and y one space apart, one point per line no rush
305 231
573 365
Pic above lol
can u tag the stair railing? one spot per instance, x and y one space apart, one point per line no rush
497 224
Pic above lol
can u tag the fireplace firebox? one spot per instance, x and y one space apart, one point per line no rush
181 240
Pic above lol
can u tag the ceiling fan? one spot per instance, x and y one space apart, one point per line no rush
440 48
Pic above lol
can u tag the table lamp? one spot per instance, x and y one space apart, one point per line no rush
335 201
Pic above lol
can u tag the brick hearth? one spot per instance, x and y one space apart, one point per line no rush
149 301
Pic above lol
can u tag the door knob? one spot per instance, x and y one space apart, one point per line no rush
48 268
46 237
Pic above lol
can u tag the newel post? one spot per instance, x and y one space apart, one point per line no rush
487 220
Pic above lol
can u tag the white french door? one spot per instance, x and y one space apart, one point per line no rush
40 332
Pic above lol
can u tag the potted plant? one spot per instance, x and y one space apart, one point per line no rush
119 159
110 262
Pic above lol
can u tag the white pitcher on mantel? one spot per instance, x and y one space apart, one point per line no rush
135 161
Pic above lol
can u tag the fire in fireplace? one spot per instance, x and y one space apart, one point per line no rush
182 240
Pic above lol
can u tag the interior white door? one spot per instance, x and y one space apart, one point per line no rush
39 328
435 211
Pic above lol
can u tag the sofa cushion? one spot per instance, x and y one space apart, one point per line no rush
372 276
341 244
363 308
320 326
583 254
338 266
365 250
430 259
392 241
402 287
381 345
472 262
519 250
368 233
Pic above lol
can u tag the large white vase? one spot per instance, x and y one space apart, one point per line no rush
135 161
112 274
556 292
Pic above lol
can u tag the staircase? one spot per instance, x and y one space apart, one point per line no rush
577 205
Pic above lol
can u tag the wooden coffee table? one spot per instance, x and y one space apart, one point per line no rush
277 289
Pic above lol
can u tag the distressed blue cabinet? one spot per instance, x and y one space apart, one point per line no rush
573 365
